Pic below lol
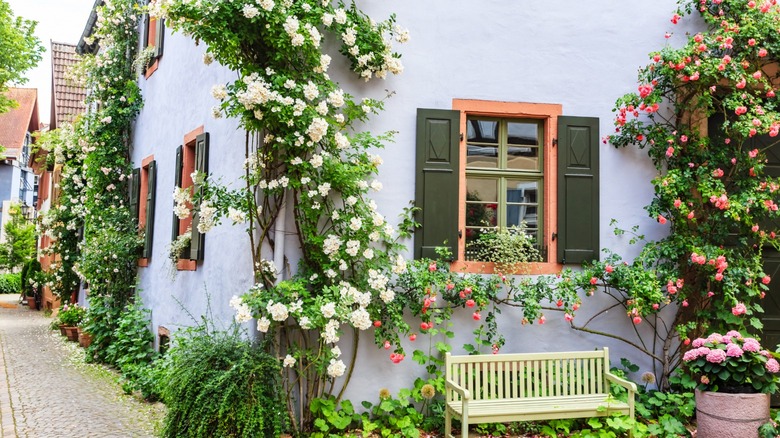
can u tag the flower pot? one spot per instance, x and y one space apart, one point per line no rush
85 339
722 415
72 333
31 303
62 330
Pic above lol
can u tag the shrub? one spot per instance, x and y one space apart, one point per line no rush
216 383
10 283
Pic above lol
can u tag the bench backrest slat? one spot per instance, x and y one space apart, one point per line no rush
529 375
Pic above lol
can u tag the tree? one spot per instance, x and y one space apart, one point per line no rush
20 245
20 50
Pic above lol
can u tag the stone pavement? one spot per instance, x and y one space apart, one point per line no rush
47 391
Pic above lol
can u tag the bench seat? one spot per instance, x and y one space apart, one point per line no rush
539 408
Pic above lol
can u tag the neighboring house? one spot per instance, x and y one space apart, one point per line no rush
499 111
17 181
67 103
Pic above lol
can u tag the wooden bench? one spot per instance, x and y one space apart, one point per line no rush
536 386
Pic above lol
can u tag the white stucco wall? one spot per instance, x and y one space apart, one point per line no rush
582 55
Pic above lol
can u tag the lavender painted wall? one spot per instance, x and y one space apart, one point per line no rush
582 55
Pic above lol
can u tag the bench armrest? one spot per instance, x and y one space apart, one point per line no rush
630 386
452 386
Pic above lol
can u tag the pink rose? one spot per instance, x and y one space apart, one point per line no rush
739 309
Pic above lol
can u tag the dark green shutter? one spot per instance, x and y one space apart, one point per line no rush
176 183
150 197
198 241
578 189
159 36
437 181
145 33
135 194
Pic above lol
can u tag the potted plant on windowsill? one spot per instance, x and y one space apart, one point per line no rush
69 317
735 376
509 249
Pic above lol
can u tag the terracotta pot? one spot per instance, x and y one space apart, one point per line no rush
85 339
72 333
31 303
62 330
722 415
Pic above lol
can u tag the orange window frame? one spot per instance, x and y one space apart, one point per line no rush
548 114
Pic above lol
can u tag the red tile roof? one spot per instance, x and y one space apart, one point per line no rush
67 98
15 123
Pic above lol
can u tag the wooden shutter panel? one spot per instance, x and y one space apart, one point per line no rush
198 241
150 198
177 183
578 189
437 181
159 36
135 194
145 32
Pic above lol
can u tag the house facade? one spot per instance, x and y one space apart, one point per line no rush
17 126
497 116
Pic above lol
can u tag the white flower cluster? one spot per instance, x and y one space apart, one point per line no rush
181 198
243 313
278 311
331 245
219 92
237 216
360 319
206 217
377 280
250 11
331 332
288 361
336 368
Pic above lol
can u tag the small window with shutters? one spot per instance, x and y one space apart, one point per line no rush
191 156
153 36
143 187
487 165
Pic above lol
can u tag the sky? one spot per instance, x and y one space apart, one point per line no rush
61 21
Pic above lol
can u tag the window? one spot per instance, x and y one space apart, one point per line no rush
489 164
153 36
504 175
192 155
143 189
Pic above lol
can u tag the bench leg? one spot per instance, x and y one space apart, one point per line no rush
464 421
447 423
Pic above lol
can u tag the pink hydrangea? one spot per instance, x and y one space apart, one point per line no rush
734 334
733 350
772 366
739 309
703 351
766 354
715 338
716 356
698 342
691 355
751 345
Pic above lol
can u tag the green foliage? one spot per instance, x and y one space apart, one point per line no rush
131 345
20 240
218 384
10 283
31 278
20 51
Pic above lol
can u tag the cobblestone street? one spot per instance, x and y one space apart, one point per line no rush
47 391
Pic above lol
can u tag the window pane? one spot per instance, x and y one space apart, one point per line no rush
522 157
481 202
522 133
522 199
482 131
482 143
